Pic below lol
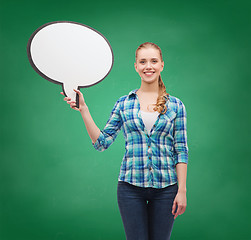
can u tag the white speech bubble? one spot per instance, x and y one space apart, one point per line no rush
71 54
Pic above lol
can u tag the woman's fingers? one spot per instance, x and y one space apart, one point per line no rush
75 108
71 102
180 210
174 207
73 105
66 98
77 91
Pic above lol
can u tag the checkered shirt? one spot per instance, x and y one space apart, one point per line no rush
149 160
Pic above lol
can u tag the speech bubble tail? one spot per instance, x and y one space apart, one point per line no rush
69 92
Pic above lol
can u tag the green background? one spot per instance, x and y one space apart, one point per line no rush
55 186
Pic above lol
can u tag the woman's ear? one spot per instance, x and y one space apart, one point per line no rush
135 65
162 65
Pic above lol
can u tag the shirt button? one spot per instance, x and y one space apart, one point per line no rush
154 125
148 146
149 157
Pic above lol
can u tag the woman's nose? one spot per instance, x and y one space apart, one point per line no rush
148 65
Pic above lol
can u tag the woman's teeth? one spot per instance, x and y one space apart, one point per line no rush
149 73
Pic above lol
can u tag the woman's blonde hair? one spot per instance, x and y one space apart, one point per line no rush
163 95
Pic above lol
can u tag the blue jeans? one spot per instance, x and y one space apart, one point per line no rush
146 212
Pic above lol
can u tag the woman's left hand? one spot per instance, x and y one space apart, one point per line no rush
180 201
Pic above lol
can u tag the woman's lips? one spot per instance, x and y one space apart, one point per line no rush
148 73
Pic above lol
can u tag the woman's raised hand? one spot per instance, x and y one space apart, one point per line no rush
82 103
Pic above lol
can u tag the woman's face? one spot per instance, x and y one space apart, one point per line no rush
148 64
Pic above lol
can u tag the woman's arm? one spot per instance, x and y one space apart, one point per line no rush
90 125
181 169
180 200
180 159
180 135
101 140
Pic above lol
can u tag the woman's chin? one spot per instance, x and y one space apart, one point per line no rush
149 80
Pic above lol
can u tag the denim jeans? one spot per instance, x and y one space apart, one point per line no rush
146 212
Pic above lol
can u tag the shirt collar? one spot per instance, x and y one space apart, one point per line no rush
133 92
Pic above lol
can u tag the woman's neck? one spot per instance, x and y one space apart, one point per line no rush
149 87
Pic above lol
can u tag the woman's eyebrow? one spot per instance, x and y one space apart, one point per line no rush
151 58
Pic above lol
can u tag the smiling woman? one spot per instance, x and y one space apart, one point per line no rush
156 151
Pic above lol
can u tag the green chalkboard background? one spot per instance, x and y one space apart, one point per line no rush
55 186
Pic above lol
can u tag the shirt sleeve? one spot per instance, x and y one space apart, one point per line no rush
110 131
180 135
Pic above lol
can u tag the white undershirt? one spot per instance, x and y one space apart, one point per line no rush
149 118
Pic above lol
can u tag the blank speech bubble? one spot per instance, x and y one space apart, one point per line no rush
71 54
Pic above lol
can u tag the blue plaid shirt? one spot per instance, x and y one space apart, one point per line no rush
149 160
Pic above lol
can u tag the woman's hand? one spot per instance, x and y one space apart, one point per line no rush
82 103
180 201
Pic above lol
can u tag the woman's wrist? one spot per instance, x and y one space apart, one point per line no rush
83 108
182 189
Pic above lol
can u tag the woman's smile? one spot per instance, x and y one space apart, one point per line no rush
149 73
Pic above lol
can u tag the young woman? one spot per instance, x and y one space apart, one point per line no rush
151 189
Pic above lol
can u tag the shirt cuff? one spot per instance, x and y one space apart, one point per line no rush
98 145
181 158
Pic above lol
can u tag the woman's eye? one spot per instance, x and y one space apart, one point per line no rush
152 61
